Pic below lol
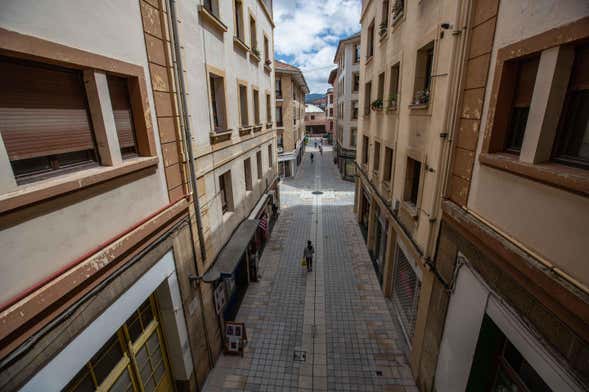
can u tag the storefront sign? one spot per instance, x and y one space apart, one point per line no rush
235 337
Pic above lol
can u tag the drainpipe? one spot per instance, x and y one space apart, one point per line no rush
179 70
462 22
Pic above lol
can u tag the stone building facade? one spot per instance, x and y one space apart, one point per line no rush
468 176
291 89
100 162
347 87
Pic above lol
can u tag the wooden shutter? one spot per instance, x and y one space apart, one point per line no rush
43 110
121 106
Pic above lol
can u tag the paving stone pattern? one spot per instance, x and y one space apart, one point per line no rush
336 314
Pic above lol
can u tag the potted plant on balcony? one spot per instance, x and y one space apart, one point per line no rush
392 103
421 97
376 105
382 29
268 62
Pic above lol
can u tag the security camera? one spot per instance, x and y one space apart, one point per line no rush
445 26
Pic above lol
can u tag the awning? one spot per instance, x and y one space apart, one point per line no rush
261 204
233 251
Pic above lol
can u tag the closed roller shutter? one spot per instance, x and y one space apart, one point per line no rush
121 106
405 293
43 114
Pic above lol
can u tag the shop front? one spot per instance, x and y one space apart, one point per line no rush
364 213
380 245
346 163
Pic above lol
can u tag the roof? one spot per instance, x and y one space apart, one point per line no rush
310 108
343 41
231 253
282 67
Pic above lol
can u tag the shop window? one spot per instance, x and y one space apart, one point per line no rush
44 120
412 180
217 91
367 97
243 106
376 161
247 173
572 139
226 192
133 359
370 41
388 164
259 164
423 75
365 147
121 106
256 107
239 28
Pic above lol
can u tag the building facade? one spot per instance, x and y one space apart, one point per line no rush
472 155
315 120
329 113
291 89
347 87
118 260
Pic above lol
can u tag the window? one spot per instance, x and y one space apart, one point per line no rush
388 164
253 34
259 164
212 6
243 107
279 140
365 149
121 106
353 137
356 53
226 192
256 107
384 21
398 6
423 74
380 92
270 159
247 173
370 42
376 161
239 28
330 112
412 178
367 97
268 108
330 97
266 50
356 82
524 87
278 88
572 139
312 117
217 87
44 119
394 87
279 122
354 110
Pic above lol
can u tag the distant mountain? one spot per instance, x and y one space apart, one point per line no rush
313 97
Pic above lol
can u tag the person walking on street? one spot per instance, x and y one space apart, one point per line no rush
321 150
311 157
308 253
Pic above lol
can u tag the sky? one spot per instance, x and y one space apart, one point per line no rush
308 31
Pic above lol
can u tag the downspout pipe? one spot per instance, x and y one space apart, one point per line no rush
187 133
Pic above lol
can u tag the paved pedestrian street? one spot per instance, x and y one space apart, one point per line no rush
327 330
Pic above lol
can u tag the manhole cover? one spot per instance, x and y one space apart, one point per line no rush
317 192
299 355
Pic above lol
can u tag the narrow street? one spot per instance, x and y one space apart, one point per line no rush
327 330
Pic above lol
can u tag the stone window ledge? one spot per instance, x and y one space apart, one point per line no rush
61 185
239 43
410 208
568 178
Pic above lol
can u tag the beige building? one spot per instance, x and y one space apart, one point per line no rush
478 239
347 87
330 112
117 261
290 91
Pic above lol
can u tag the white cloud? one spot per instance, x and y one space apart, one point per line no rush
308 32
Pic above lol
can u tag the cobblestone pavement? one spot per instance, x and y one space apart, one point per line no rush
335 315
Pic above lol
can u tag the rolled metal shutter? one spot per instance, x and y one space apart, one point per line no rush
121 106
43 110
405 292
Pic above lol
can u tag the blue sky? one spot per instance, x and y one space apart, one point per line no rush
308 31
